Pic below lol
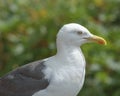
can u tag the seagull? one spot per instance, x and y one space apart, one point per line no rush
59 75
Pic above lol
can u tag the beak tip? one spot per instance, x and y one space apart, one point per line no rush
99 40
103 42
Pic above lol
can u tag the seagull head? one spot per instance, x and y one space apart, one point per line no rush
76 35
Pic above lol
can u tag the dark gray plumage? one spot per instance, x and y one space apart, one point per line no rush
24 81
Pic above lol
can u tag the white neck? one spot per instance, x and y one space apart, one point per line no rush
70 53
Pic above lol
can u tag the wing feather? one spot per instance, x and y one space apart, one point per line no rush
24 81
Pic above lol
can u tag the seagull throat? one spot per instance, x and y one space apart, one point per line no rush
69 53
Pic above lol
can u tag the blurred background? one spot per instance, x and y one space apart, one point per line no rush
28 31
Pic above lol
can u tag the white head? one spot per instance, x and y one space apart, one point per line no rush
75 35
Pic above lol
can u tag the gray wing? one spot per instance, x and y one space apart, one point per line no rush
24 81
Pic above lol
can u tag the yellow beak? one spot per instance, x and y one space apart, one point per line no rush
97 39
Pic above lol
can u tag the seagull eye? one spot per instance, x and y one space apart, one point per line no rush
79 32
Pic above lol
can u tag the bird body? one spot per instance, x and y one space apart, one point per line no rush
67 74
59 75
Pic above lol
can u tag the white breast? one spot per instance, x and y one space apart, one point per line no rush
67 82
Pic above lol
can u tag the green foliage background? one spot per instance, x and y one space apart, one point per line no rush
28 31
